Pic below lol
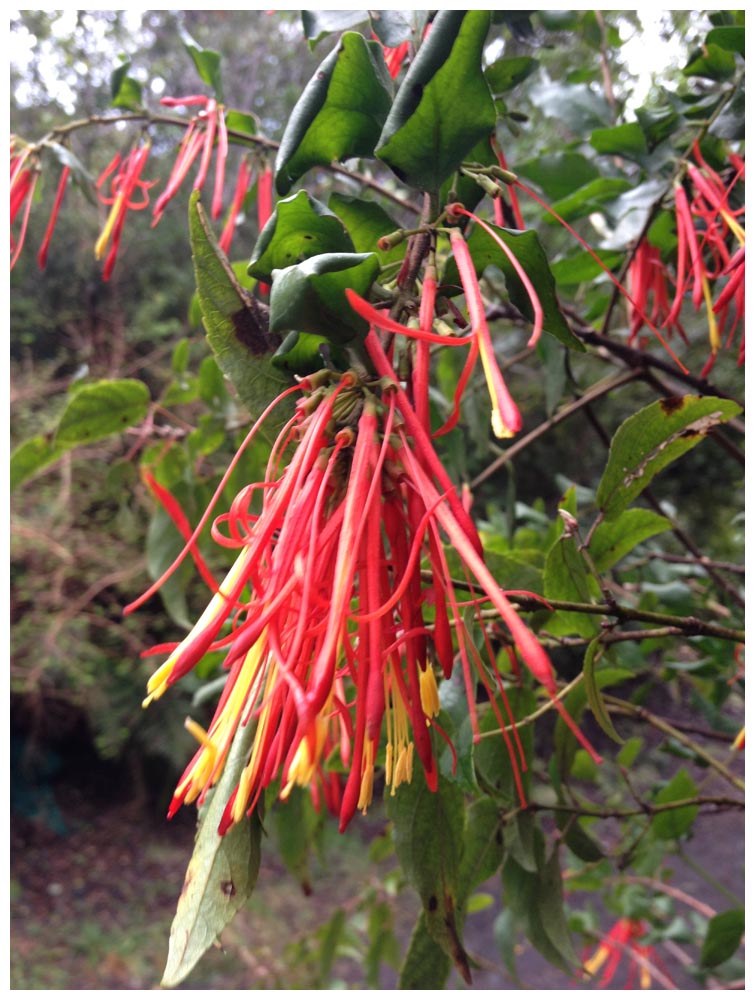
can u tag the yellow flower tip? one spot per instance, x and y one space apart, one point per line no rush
646 980
739 742
428 691
596 960
101 244
499 427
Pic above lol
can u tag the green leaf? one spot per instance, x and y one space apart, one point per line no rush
582 266
528 250
443 106
311 296
731 38
593 692
577 839
426 965
429 838
674 823
711 62
505 74
483 845
293 830
393 27
650 440
300 227
341 111
100 409
559 174
723 937
222 872
565 579
612 540
625 140
206 62
240 121
657 124
30 457
588 199
366 222
317 24
536 899
125 91
236 330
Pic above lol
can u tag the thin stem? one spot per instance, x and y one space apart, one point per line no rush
594 392
638 712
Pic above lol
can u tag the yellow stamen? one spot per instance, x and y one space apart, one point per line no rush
368 775
301 770
499 427
428 690
735 227
399 749
713 334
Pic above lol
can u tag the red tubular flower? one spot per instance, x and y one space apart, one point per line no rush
23 181
264 206
199 141
621 942
322 615
124 183
242 186
45 247
649 281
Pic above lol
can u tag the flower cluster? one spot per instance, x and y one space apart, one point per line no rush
707 225
623 941
341 606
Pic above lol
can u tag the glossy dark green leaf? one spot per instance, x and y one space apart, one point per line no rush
236 328
300 227
528 250
206 62
103 408
722 938
341 111
366 222
624 140
729 37
559 174
429 838
491 755
612 540
292 822
504 74
443 107
672 824
712 63
311 296
393 27
30 457
318 24
125 91
651 439
222 872
306 353
576 106
593 691
657 124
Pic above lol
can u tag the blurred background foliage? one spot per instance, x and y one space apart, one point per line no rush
80 529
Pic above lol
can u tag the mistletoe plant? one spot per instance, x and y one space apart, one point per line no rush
374 634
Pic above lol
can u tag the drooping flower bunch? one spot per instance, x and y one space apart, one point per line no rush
710 248
341 607
623 941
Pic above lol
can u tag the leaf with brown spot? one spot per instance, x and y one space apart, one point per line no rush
236 326
651 439
221 875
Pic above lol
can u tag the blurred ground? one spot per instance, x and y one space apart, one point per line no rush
92 902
